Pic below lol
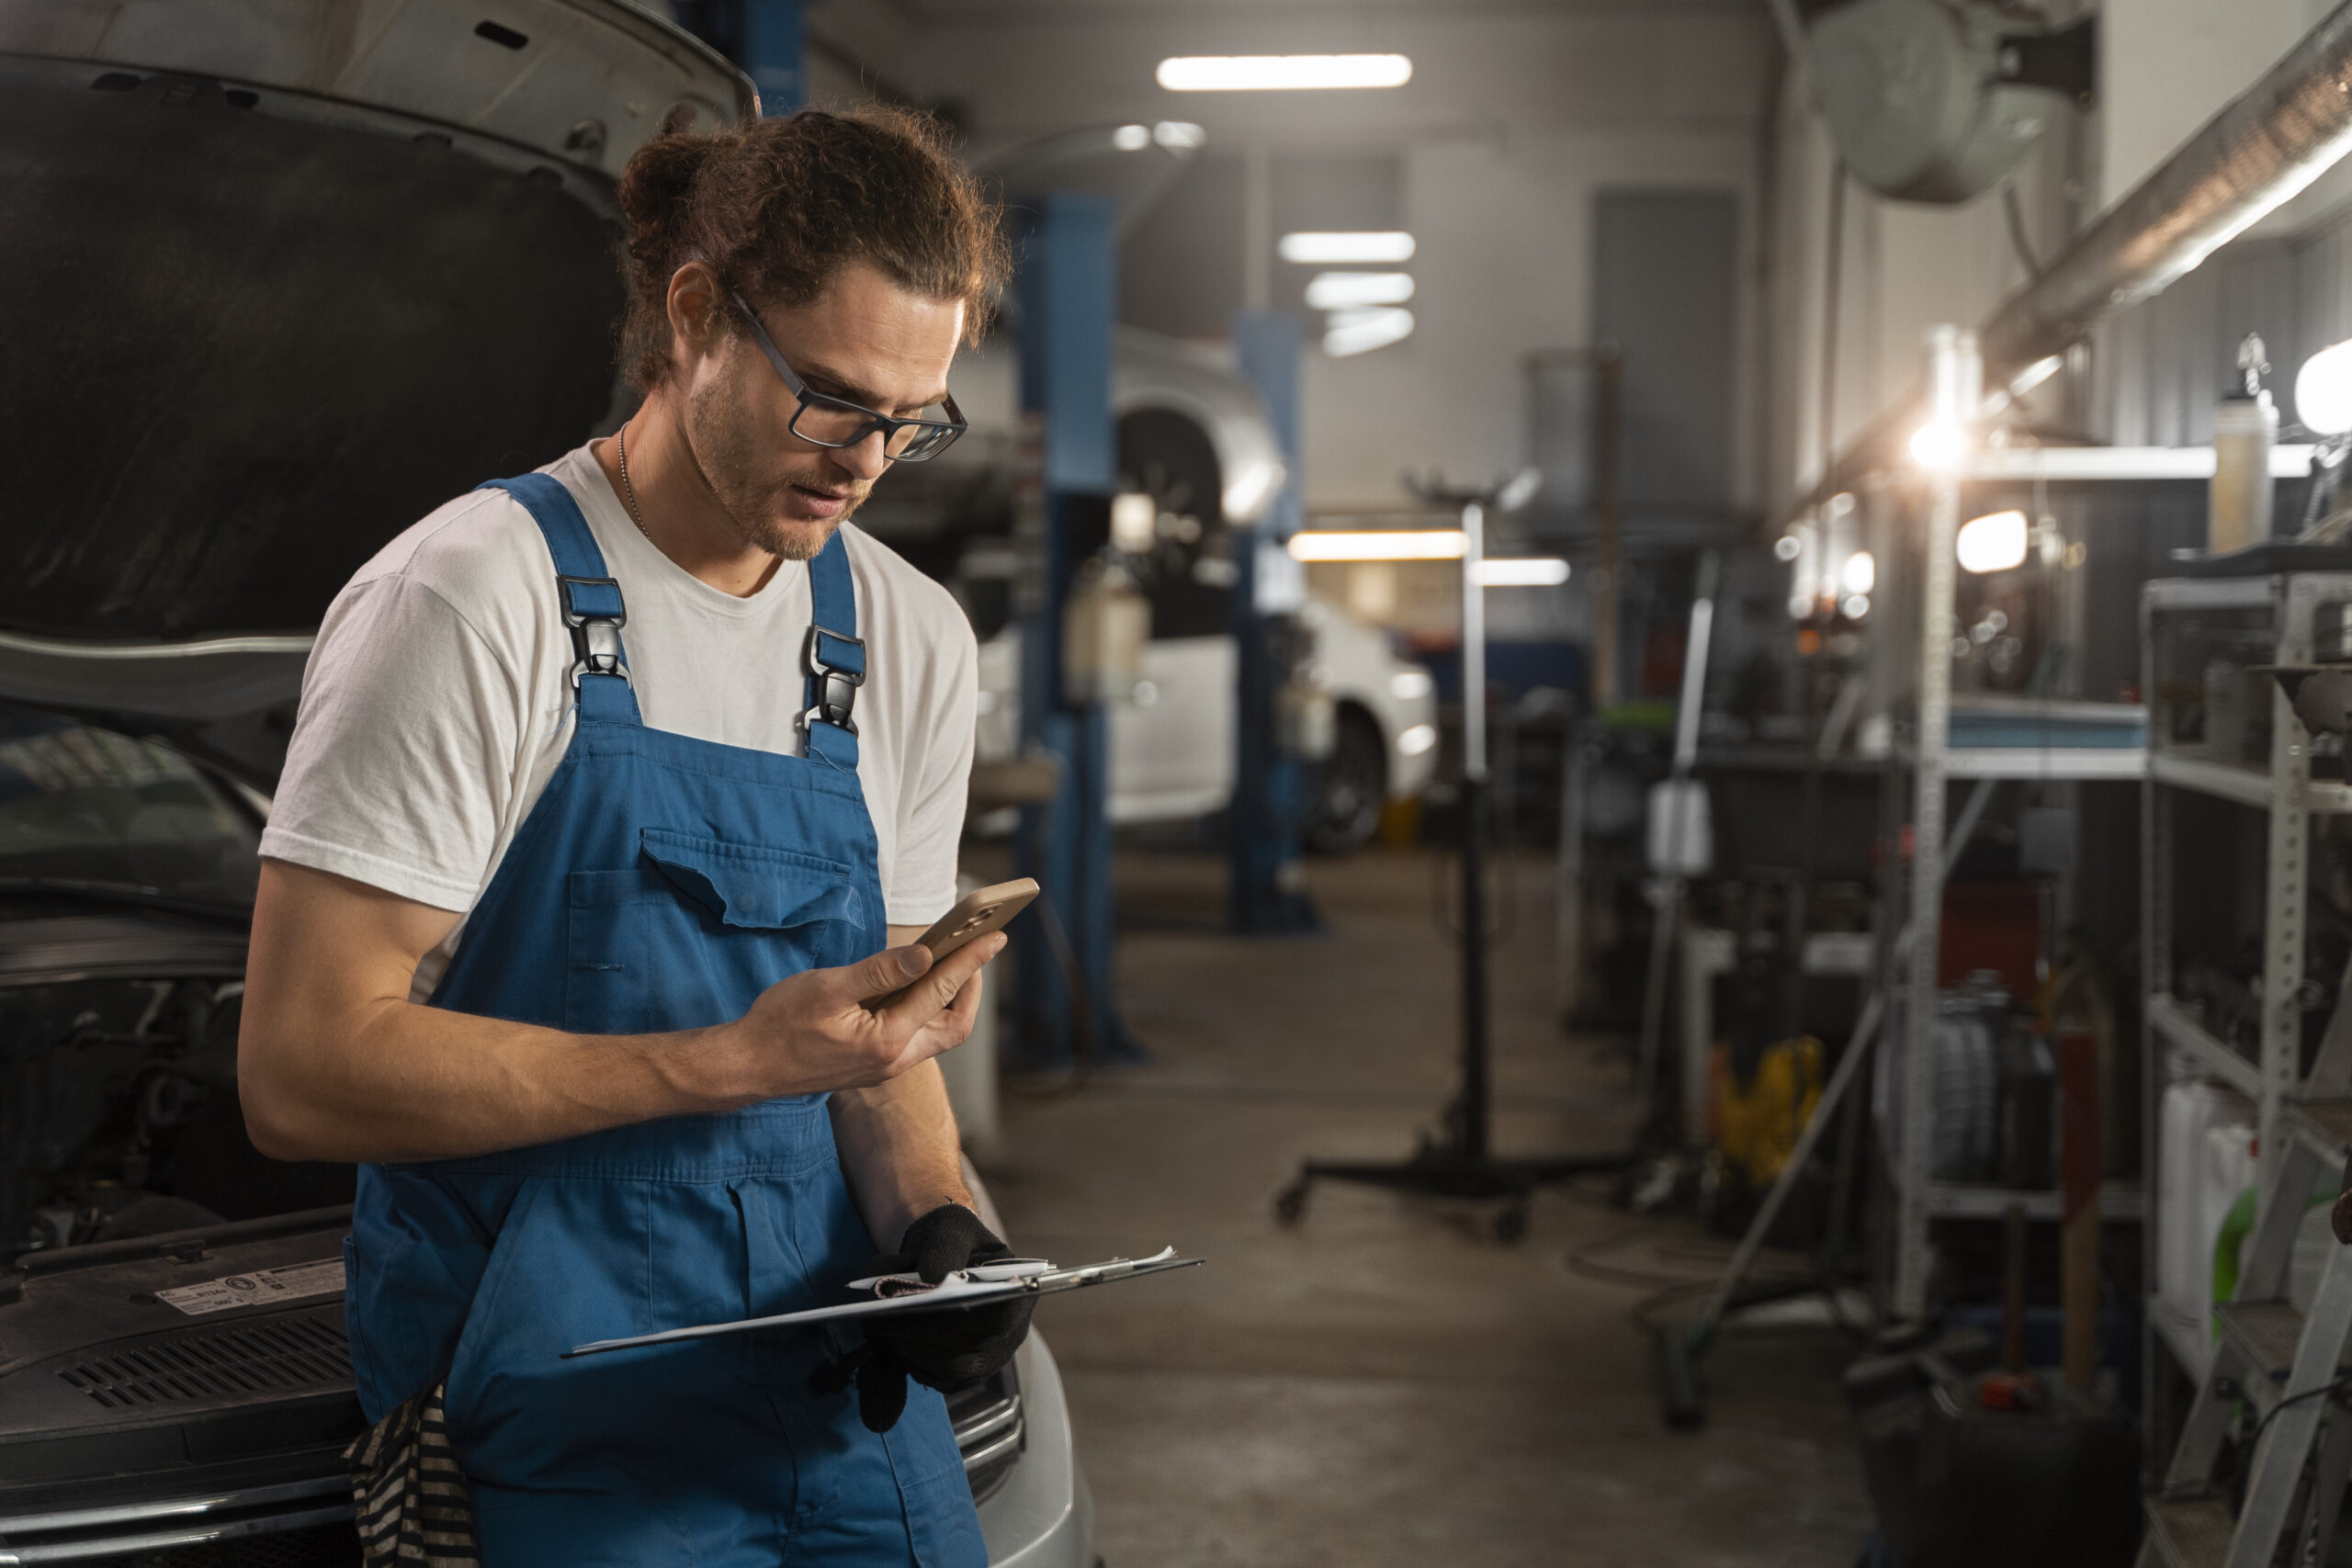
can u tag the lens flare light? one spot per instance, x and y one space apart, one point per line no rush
2324 390
1995 542
1937 446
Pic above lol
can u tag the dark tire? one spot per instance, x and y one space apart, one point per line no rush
1351 787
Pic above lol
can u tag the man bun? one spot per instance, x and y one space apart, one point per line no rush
656 191
778 207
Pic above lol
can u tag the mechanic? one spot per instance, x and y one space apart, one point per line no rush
566 934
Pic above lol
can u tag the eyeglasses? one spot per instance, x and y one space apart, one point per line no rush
834 422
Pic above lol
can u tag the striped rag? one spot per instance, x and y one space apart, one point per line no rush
411 1497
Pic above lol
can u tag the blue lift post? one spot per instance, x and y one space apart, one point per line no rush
1266 890
1066 289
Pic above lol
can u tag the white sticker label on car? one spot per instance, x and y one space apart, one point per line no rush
270 1286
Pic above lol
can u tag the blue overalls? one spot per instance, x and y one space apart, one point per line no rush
660 883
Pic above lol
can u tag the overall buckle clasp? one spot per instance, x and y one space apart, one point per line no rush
593 609
838 662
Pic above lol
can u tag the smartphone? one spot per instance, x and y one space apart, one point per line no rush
989 910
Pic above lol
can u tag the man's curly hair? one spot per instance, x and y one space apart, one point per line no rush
778 207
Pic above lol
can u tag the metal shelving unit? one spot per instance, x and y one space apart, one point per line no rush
2193 631
2277 613
1935 763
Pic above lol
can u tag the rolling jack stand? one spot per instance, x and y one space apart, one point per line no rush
1461 1162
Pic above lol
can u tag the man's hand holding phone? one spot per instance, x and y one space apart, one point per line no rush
864 1023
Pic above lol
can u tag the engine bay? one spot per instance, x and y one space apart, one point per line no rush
118 1111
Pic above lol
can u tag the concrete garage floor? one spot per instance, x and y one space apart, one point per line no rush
1384 1384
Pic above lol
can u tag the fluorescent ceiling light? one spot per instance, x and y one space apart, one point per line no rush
1372 248
1384 543
1361 329
1991 542
1131 138
1338 290
1536 571
1282 72
1179 133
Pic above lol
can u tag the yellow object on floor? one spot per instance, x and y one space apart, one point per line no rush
1756 1126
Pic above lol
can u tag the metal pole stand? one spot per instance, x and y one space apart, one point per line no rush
1460 1161
1266 892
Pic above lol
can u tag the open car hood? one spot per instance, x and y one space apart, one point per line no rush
228 702
279 277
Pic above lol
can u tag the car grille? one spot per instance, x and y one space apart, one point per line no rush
307 1525
294 1524
320 1546
992 1430
277 1356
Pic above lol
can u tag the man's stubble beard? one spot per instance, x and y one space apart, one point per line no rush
718 434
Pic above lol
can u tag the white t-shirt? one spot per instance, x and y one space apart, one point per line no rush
437 701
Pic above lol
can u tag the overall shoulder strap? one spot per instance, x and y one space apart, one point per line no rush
591 600
836 658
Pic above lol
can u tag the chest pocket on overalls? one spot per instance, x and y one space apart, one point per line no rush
699 928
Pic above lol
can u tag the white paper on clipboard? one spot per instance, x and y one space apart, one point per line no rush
970 1288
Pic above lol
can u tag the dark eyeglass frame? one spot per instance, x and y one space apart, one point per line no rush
942 432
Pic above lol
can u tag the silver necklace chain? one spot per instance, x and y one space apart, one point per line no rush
629 491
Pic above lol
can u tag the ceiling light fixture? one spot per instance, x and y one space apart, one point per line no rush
1338 290
1532 572
1384 544
1131 138
1360 329
1282 72
1367 248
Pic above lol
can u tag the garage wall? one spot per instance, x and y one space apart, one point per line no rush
2153 371
1516 116
2168 66
1905 268
1505 268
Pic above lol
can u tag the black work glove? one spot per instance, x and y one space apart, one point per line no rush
950 1348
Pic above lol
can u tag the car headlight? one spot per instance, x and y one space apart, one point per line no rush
1410 685
1416 740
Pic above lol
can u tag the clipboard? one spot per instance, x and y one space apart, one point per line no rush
969 1286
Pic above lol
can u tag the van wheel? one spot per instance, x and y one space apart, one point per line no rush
1351 787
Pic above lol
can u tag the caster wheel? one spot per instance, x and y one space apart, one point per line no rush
1290 1204
1511 1225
